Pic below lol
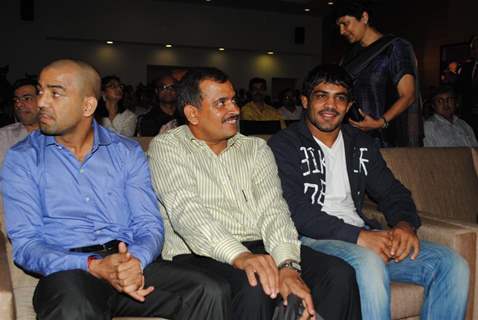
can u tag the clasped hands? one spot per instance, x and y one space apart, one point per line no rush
395 244
262 268
123 272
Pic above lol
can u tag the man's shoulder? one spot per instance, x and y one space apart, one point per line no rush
176 138
291 134
11 127
357 137
28 148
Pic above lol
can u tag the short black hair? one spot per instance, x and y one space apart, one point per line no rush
351 8
25 82
257 80
107 79
327 73
189 91
444 88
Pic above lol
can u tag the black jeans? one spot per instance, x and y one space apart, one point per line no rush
179 294
331 280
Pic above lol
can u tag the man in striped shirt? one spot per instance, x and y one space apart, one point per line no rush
225 216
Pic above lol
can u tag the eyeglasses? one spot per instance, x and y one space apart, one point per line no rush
170 87
24 98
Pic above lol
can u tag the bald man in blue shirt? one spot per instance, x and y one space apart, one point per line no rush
81 212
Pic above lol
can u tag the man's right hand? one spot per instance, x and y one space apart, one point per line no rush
265 267
121 271
379 242
107 268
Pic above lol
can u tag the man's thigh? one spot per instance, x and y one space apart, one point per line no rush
360 258
72 294
164 301
236 279
431 259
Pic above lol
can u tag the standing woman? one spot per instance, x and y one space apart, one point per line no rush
112 113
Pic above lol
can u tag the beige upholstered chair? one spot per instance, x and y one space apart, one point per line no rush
16 287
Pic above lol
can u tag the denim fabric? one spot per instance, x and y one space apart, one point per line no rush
443 273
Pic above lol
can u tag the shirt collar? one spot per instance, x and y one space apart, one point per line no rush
190 137
101 136
442 119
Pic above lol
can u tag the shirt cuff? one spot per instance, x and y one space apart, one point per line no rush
77 260
286 251
228 249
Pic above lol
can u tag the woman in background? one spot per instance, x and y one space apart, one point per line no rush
111 112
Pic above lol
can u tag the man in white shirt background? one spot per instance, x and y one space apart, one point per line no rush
26 113
444 128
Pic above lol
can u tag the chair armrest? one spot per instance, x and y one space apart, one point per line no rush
461 239
7 308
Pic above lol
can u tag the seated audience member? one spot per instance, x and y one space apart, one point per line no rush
444 128
81 212
112 112
226 215
163 116
26 112
326 168
257 109
289 109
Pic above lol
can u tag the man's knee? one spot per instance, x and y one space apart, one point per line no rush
455 267
67 295
214 288
370 268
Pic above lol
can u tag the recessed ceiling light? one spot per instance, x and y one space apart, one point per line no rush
109 42
221 49
169 46
208 0
270 52
331 3
306 9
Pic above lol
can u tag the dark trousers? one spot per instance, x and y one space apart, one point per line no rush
178 294
331 280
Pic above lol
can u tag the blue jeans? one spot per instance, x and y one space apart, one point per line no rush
443 273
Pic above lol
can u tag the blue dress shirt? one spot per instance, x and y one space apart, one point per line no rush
53 202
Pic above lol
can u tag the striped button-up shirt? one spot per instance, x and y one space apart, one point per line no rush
211 203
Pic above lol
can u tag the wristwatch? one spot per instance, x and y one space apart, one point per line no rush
291 264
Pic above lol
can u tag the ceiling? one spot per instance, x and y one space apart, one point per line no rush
316 7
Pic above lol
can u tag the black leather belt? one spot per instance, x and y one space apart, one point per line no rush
109 247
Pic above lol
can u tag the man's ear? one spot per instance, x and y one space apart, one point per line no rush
192 114
89 106
305 101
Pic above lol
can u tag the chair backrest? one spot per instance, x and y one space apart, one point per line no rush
443 181
250 127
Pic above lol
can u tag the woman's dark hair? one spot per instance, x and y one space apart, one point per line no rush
329 73
352 9
188 88
101 111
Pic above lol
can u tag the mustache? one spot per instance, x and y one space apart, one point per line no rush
330 110
234 117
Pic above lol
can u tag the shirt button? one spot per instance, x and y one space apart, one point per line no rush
87 199
82 170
